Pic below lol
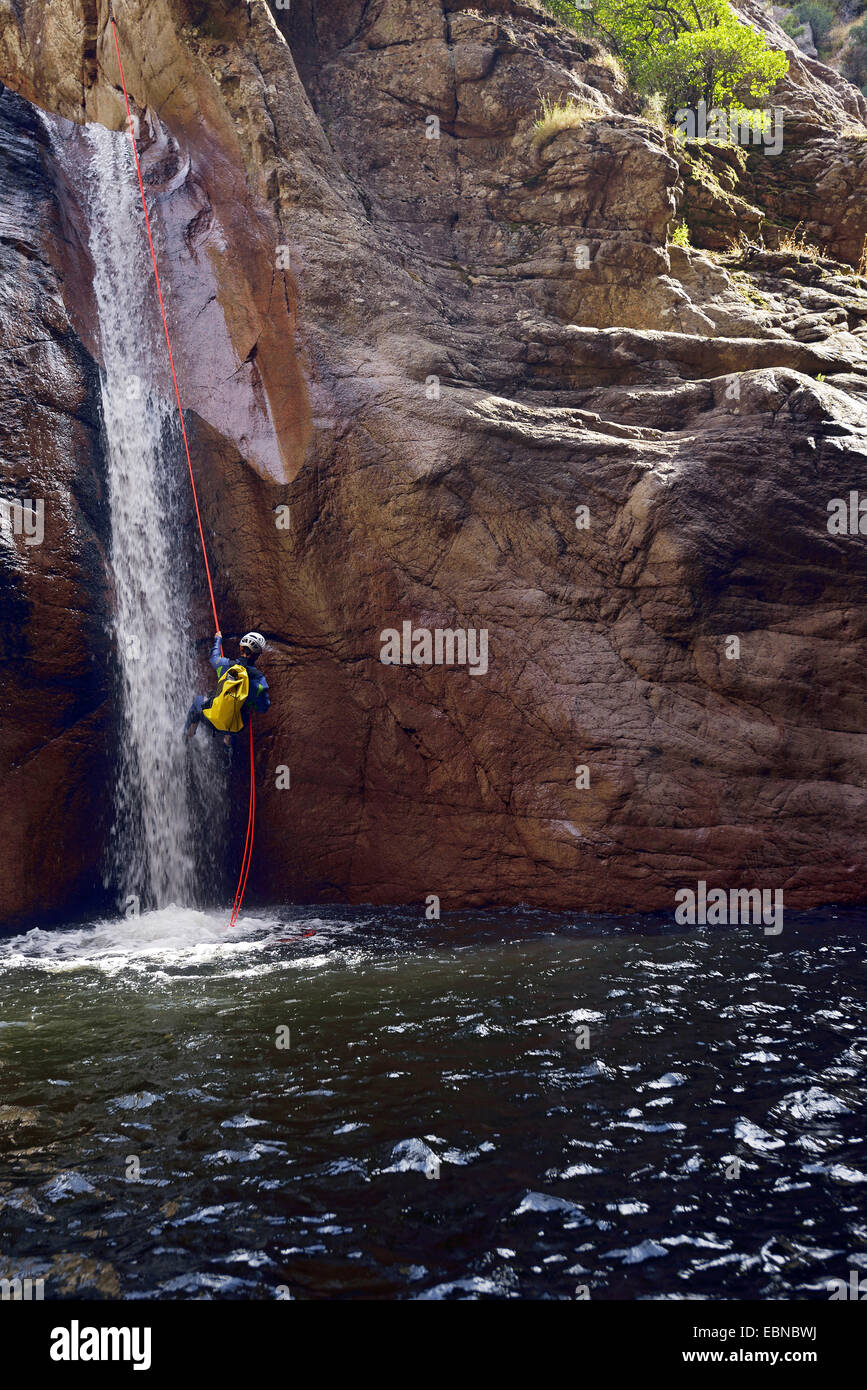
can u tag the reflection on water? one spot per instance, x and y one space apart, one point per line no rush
390 1108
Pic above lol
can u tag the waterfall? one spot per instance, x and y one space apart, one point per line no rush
154 839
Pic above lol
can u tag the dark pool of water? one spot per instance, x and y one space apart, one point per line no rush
396 1109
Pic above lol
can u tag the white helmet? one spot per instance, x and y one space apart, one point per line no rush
254 643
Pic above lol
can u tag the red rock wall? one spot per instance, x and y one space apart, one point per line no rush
675 396
56 668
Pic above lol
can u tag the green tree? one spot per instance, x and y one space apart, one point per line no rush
685 49
729 64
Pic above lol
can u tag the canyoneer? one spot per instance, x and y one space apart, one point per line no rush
241 688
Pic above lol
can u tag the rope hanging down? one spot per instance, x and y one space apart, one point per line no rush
248 845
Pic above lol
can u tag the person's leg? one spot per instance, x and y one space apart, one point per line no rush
194 714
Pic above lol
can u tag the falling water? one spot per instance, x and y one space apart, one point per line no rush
153 846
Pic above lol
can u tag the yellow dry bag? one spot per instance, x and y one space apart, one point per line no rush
224 711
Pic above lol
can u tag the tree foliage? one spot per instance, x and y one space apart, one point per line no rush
688 50
820 17
563 10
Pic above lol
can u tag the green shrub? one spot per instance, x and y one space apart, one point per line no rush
680 235
820 17
792 25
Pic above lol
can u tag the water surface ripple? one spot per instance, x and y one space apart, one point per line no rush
397 1109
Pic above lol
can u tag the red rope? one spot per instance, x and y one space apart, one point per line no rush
248 846
248 843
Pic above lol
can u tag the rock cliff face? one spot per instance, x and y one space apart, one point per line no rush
56 728
434 338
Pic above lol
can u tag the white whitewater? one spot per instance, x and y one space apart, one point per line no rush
154 834
169 936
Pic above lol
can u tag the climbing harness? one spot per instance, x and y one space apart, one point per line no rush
248 845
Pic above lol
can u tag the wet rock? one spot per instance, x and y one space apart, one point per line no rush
55 658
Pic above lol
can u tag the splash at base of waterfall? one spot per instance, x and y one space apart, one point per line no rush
168 936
